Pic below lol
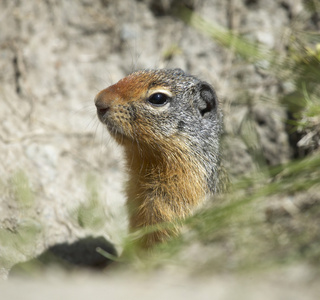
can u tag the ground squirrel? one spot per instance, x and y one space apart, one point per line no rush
169 124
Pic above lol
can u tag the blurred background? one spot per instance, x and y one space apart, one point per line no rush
61 176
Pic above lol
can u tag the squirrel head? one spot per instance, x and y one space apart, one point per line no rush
160 108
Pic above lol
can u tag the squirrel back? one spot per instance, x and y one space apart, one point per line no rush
169 124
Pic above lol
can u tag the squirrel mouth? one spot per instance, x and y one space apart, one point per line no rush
103 114
115 131
105 117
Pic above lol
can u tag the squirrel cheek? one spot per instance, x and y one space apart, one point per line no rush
132 110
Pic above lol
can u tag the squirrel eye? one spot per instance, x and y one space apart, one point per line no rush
158 99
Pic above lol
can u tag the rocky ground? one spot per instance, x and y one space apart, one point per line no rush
58 162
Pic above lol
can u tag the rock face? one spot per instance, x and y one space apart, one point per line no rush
56 55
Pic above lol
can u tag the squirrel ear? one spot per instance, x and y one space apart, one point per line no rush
208 100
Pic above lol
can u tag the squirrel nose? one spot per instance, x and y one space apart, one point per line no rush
102 106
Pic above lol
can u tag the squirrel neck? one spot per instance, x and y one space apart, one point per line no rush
164 186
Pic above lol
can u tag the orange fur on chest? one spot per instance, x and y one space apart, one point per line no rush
162 189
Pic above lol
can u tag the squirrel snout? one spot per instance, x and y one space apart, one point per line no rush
102 106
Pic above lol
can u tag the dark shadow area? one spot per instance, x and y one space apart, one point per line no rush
81 254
